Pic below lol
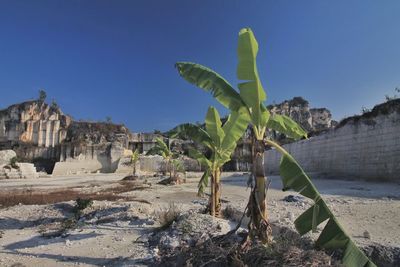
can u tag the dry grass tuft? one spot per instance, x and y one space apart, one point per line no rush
167 216
229 213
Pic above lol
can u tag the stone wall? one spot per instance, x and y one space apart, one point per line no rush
360 147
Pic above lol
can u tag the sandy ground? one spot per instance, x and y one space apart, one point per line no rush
110 236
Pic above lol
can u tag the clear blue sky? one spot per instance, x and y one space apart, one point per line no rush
116 58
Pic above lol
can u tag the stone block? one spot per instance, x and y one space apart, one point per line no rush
6 156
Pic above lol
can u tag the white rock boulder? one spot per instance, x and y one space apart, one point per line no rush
6 156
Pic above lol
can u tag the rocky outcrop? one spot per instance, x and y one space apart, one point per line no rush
42 134
311 119
34 130
6 156
22 171
321 119
91 147
35 123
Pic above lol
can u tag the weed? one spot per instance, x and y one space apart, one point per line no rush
68 223
81 204
13 163
167 216
229 212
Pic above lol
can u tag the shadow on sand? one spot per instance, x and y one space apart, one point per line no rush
38 241
117 261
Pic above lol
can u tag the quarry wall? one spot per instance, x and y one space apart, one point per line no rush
35 123
360 147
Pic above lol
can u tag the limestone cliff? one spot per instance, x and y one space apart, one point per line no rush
92 147
311 119
33 122
42 134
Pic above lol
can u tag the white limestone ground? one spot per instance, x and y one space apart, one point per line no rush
110 232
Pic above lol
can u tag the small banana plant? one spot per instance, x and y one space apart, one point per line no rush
134 160
250 101
221 140
164 150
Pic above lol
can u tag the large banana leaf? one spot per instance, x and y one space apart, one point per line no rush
154 151
221 140
223 156
286 125
193 132
251 90
333 236
135 156
214 126
265 115
160 143
211 81
197 155
203 183
234 129
161 149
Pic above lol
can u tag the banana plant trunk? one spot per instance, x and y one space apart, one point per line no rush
215 196
259 223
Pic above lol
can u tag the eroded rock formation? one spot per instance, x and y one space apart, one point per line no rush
42 134
92 147
33 122
311 119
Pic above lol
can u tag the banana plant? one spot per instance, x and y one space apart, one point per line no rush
251 97
164 150
134 160
221 140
